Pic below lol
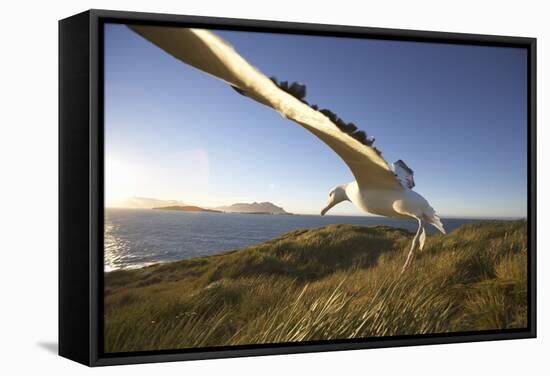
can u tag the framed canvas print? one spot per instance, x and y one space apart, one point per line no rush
237 187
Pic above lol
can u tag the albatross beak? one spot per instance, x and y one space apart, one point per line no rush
327 208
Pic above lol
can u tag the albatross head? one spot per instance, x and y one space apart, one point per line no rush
337 195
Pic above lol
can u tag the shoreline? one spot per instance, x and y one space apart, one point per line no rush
230 250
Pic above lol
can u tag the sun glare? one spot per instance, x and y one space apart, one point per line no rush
119 181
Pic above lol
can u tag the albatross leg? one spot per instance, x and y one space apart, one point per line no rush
418 240
422 236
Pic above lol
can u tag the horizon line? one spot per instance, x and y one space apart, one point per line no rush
368 215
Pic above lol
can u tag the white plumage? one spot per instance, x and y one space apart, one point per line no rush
378 188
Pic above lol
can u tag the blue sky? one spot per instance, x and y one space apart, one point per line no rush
456 114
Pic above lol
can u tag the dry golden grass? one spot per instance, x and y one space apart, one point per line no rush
335 282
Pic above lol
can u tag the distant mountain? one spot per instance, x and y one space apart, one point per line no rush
145 203
253 208
154 203
187 208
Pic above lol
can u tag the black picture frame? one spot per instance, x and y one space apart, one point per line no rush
81 185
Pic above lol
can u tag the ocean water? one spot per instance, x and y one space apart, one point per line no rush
139 237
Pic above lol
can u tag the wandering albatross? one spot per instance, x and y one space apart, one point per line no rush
378 188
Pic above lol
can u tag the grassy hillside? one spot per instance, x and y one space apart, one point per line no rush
338 281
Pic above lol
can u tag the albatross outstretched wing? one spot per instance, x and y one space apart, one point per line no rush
207 52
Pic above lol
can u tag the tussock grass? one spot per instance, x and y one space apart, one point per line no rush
335 282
